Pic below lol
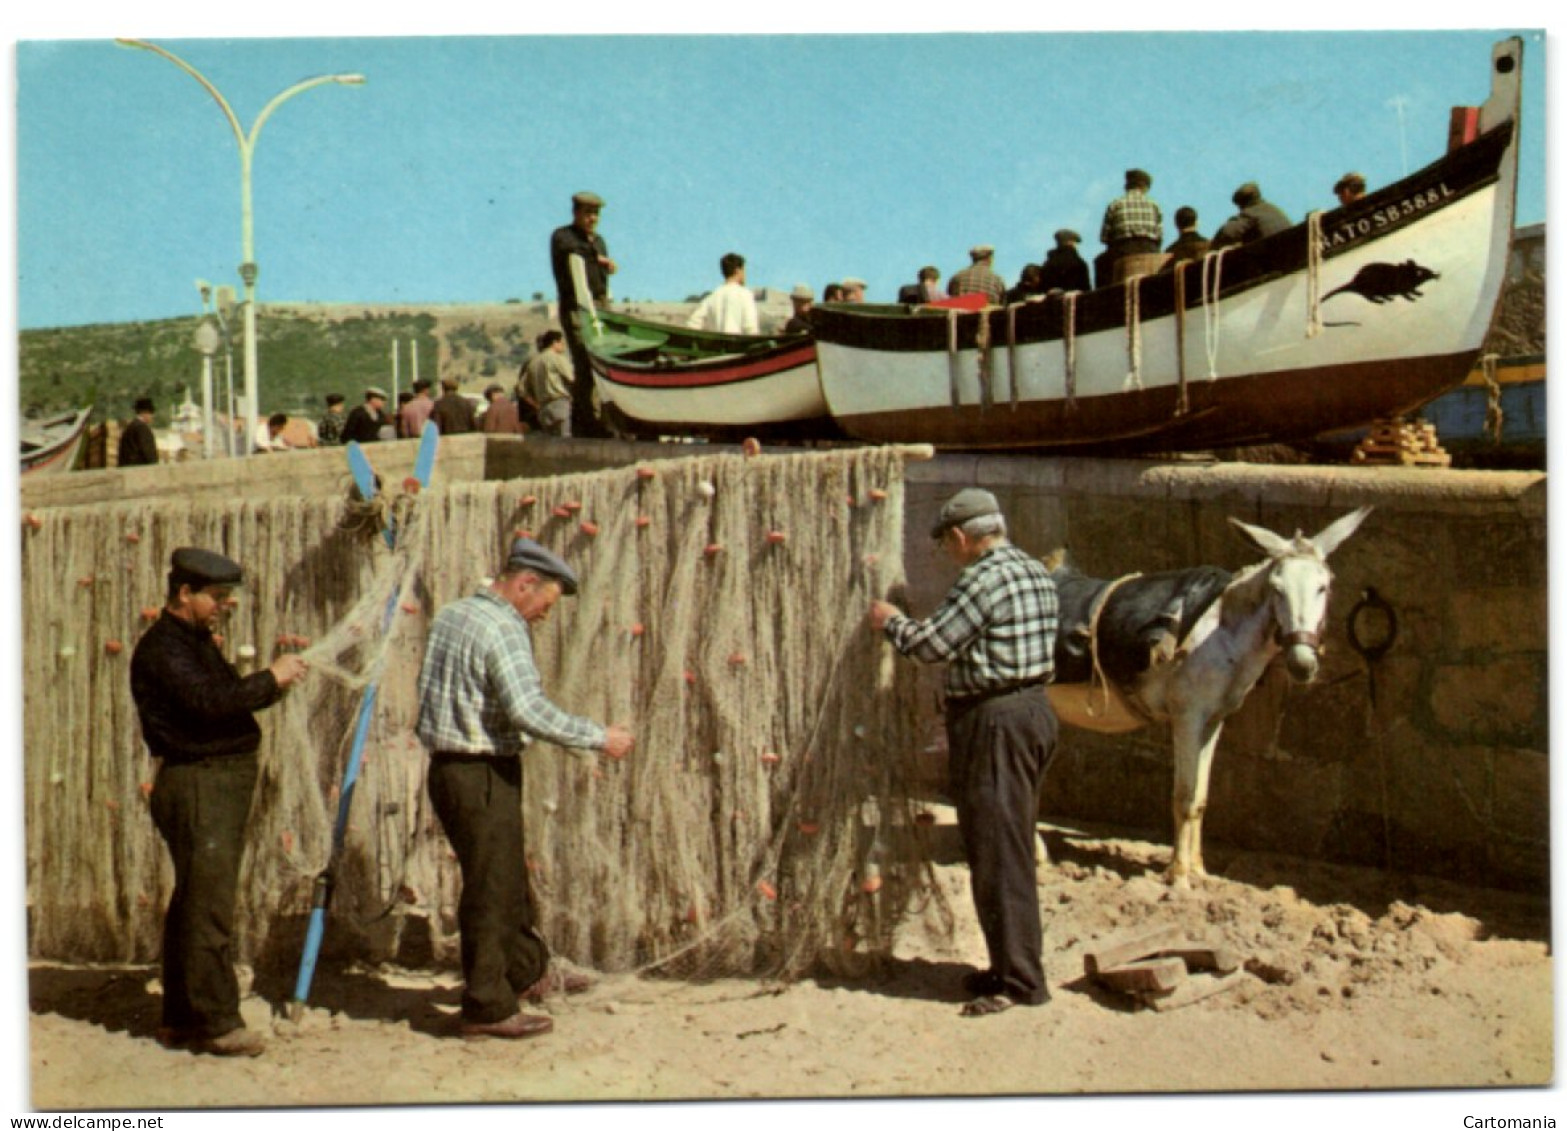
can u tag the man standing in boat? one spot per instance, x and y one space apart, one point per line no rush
731 309
1133 224
581 238
979 277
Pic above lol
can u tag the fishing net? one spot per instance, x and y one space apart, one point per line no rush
763 824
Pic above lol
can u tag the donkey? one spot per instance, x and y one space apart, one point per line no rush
1186 647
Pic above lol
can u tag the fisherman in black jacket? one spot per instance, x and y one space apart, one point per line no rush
195 711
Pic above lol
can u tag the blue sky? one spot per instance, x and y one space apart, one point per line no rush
816 156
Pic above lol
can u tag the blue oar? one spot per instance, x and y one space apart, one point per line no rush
321 897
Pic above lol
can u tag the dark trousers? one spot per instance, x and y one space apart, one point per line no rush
479 803
584 421
998 751
200 810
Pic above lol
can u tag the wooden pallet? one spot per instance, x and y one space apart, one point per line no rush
1400 443
1159 968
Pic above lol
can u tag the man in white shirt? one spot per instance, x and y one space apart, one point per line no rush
731 309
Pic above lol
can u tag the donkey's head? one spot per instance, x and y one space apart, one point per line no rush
1298 585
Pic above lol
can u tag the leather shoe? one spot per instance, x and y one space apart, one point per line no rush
236 1042
556 981
516 1027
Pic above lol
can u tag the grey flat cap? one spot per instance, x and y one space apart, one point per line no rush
200 568
971 502
981 251
529 555
802 291
587 200
375 391
1067 235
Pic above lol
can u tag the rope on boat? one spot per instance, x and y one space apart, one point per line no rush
1313 274
982 344
1134 334
1069 345
1182 404
1494 418
1210 304
952 356
1012 354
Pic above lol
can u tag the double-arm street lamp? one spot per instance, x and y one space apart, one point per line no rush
247 148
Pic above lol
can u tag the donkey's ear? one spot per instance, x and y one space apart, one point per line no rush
1263 539
1334 534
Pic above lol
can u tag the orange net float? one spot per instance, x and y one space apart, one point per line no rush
528 500
767 889
561 512
776 537
412 485
690 677
522 532
149 612
638 629
645 472
590 528
877 494
737 659
572 507
113 647
33 521
809 828
643 522
712 549
770 759
132 537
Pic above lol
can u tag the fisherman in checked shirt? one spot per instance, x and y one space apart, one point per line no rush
996 632
481 703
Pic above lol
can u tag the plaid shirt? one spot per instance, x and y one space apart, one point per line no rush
997 627
1132 216
978 279
479 689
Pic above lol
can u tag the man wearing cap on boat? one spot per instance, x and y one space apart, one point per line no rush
1257 219
1350 188
366 420
1133 224
580 238
196 718
979 277
996 632
481 704
1064 268
802 298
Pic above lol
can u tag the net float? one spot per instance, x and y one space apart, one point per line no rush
809 828
872 882
111 805
877 494
643 521
149 612
132 537
771 759
706 489
718 757
146 788
850 499
247 651
645 472
528 500
690 676
767 889
412 485
751 446
590 528
711 549
287 838
33 521
86 582
776 537
410 607
572 507
561 512
113 647
522 532
737 658
637 629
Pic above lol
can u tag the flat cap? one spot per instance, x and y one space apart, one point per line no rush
1248 193
1351 181
375 391
587 200
199 568
529 555
1067 235
144 404
802 291
851 281
980 251
971 502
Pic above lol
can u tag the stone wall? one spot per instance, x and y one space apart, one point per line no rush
1443 771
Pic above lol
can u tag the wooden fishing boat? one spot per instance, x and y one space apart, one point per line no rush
1365 311
657 378
51 445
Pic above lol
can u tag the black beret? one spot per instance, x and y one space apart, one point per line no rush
144 404
200 568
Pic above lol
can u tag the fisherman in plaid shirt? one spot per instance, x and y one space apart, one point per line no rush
996 631
1133 224
979 277
480 704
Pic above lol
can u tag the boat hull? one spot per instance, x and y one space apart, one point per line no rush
59 451
1365 311
665 380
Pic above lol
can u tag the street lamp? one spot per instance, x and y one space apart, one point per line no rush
248 269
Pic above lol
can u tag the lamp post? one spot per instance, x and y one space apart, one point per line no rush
248 269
